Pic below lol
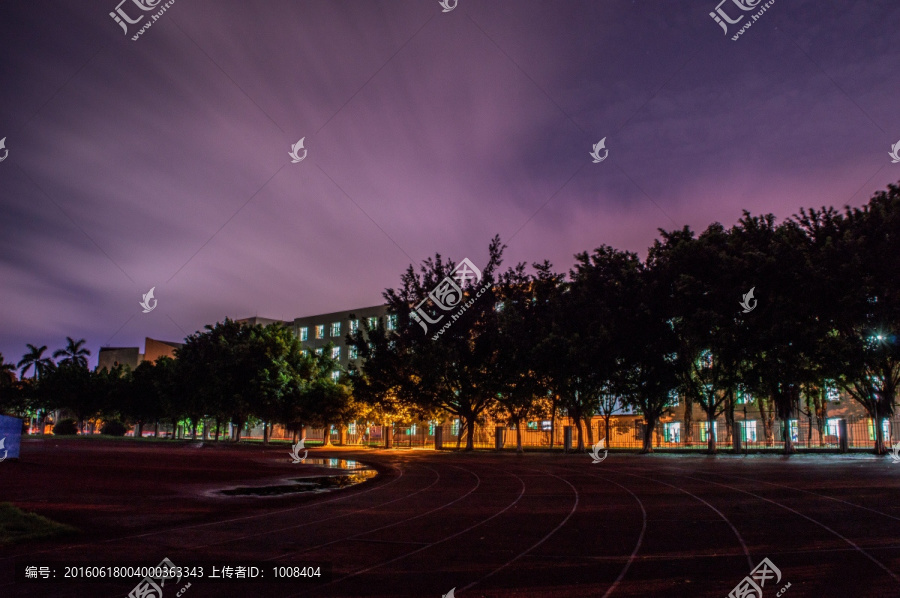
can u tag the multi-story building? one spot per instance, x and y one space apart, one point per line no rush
317 332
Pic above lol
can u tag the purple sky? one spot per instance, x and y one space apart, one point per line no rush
163 162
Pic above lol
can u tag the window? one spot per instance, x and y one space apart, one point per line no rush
335 375
454 428
304 334
749 428
546 425
705 361
320 331
335 352
354 354
704 431
672 432
319 351
351 428
885 428
832 427
412 430
335 329
531 426
795 429
831 391
354 325
304 352
392 322
373 323
741 397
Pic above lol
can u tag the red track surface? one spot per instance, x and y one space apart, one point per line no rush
487 524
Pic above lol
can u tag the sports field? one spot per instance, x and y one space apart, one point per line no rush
486 524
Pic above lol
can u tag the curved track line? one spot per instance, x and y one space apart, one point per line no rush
717 511
427 546
378 529
354 512
198 525
539 542
640 539
725 475
810 519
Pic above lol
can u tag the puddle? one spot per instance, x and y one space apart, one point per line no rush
315 484
335 463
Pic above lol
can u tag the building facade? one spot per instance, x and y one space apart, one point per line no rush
110 357
329 331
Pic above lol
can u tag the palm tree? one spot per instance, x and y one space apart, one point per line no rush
7 371
74 353
35 358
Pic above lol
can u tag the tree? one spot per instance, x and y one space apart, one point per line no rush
34 359
450 367
648 350
146 398
523 320
239 370
75 388
865 316
12 397
7 372
584 348
74 353
703 279
784 332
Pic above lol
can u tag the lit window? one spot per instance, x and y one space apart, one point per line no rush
749 428
335 329
320 331
304 352
354 354
704 431
546 425
392 322
373 323
354 325
335 375
351 428
531 426
672 432
742 396
319 351
304 334
795 429
412 430
832 427
335 352
885 428
831 391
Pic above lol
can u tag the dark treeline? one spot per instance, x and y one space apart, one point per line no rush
614 331
618 330
228 373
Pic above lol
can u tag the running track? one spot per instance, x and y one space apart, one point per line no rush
487 524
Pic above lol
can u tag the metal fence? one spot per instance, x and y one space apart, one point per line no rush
627 433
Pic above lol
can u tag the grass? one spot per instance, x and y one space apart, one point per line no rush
18 526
